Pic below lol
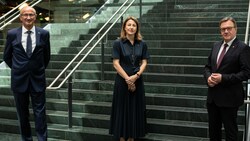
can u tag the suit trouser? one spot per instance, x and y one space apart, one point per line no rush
39 110
222 115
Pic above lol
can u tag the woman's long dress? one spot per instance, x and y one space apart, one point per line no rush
128 116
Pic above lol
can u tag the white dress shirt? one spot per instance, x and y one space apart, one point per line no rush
222 46
24 37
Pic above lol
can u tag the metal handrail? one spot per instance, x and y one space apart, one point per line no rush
246 135
247 26
6 14
12 19
89 20
80 52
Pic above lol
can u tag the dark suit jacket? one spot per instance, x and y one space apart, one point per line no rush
27 73
235 68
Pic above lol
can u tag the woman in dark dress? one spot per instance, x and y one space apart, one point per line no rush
130 55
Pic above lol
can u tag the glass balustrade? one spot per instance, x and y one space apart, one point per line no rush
52 12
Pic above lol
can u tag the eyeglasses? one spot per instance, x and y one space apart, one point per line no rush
226 28
30 15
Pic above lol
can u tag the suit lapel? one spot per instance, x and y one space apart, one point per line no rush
216 52
229 51
38 35
19 38
19 35
231 48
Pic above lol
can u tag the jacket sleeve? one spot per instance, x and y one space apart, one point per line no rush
244 73
47 49
208 68
7 56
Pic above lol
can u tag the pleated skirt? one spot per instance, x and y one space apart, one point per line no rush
128 115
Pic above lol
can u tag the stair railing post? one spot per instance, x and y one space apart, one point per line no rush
102 65
70 102
140 11
121 20
246 136
247 120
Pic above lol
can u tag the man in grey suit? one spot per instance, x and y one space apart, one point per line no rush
228 65
27 53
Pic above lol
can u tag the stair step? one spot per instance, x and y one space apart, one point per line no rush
168 88
15 137
153 68
168 36
58 132
153 51
81 133
160 43
158 106
148 77
164 59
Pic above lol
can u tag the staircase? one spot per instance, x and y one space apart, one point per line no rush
179 36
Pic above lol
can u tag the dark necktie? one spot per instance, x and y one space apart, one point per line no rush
29 44
222 55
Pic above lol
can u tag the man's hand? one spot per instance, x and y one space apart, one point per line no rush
214 79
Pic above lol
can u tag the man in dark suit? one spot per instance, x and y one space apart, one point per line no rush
228 65
28 58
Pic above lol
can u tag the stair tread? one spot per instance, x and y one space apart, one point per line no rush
176 123
108 104
106 117
92 130
15 137
146 83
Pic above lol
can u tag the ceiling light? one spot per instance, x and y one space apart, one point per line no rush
47 18
86 16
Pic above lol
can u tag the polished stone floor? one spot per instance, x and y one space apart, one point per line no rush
16 137
9 137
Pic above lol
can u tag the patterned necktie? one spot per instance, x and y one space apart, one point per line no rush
29 44
222 55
